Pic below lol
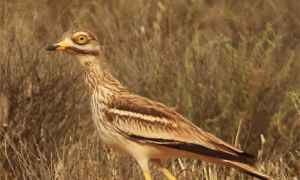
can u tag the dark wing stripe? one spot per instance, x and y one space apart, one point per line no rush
141 118
198 149
129 106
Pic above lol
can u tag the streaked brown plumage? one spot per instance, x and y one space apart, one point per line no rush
147 130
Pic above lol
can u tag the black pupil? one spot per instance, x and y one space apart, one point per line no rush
81 38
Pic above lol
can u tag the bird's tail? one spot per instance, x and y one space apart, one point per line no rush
251 170
232 158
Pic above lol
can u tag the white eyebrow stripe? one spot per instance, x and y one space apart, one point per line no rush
80 33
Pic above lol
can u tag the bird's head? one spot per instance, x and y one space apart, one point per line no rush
77 42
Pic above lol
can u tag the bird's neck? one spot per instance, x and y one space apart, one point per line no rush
97 76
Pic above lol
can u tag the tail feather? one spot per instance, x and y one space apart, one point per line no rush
247 169
242 161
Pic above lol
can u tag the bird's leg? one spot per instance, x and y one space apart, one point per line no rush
147 175
144 165
164 170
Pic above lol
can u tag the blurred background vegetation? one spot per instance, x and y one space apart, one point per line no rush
231 67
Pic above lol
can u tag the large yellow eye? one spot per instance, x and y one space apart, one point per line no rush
81 39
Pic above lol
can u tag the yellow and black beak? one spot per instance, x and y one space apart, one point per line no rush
58 46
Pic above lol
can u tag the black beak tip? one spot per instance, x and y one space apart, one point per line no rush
52 47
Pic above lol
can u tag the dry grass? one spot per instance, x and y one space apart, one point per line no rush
227 66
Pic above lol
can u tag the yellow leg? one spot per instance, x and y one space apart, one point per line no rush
147 175
164 170
167 173
143 162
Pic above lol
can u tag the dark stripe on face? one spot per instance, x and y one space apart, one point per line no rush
80 51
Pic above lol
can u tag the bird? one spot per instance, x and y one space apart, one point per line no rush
147 130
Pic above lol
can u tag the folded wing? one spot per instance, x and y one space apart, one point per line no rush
147 121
